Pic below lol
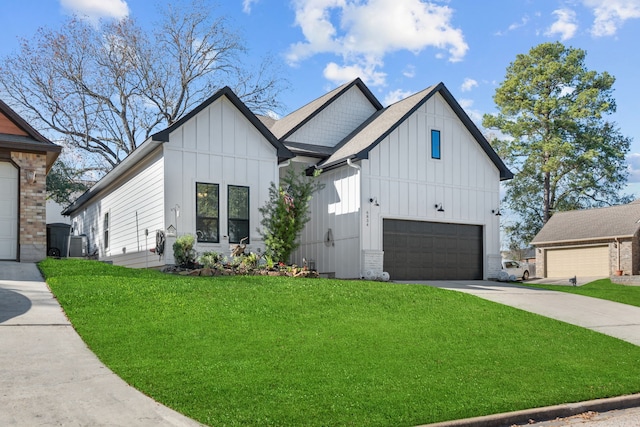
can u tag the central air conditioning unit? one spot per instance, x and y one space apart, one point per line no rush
78 246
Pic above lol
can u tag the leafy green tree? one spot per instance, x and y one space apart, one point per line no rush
565 154
65 183
286 213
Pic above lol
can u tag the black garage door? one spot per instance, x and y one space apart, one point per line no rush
418 250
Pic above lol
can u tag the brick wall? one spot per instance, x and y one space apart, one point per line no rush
33 226
626 256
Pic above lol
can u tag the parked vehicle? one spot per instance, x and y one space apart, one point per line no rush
520 270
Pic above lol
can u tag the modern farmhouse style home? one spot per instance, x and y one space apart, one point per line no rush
411 189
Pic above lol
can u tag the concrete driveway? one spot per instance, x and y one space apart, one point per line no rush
611 318
47 374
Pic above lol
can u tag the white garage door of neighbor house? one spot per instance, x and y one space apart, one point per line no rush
591 261
8 211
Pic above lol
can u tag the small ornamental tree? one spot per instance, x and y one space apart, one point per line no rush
286 213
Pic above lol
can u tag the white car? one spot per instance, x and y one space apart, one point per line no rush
519 270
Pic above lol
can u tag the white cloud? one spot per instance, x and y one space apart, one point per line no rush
395 96
409 71
522 23
246 5
468 84
364 31
565 25
474 115
514 26
340 74
96 9
611 14
634 167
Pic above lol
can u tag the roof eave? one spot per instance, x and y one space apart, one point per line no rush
135 157
578 241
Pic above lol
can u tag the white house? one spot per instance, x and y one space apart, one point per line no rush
180 181
411 189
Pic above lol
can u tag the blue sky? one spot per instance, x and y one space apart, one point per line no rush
400 46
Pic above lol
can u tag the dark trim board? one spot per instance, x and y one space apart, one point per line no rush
421 250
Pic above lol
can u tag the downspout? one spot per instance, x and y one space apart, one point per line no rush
352 165
618 246
360 244
280 167
285 164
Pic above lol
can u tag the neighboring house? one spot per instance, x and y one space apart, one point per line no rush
590 242
25 159
411 189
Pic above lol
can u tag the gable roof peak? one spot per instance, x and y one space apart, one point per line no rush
289 124
360 142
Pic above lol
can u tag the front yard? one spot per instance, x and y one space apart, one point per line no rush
284 351
602 289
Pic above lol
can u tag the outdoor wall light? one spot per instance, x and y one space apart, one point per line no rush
374 201
31 176
496 212
439 207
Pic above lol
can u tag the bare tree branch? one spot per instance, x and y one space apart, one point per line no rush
105 89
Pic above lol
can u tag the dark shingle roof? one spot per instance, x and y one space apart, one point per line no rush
590 224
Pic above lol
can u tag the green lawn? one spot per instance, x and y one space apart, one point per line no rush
243 351
602 289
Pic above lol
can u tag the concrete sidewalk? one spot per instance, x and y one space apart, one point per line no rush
611 318
47 374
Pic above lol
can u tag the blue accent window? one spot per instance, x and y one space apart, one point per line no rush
435 144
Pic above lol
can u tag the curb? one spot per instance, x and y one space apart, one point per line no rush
548 413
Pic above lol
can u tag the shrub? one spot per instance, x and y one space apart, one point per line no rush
286 213
211 259
183 251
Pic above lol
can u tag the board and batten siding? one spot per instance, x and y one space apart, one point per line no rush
331 238
336 121
135 203
219 145
407 183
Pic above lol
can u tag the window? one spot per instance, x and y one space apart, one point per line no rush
435 144
106 230
238 214
207 215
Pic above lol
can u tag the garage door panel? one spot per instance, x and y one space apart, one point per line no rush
437 251
589 261
8 211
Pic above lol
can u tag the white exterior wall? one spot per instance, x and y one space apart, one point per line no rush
217 146
134 206
336 121
337 208
407 183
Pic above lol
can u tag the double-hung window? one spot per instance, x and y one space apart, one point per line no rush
238 217
207 212
435 144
